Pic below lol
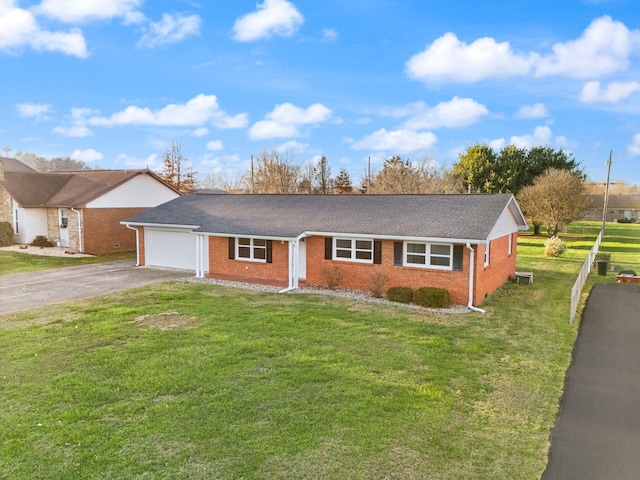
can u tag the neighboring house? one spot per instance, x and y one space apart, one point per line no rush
81 210
618 207
464 243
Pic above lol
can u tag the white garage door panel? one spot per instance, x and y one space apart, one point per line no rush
170 248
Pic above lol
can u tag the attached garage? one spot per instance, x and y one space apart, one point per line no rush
173 248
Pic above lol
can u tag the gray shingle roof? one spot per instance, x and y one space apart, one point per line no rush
469 217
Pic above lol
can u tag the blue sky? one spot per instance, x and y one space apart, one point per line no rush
111 82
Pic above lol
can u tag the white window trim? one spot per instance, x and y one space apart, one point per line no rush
427 256
252 249
487 253
510 243
352 249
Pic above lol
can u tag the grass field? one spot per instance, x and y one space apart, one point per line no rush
188 380
16 262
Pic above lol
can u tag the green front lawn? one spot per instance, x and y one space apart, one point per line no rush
16 262
188 380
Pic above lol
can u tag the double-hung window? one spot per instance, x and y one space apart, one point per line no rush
252 249
429 255
354 250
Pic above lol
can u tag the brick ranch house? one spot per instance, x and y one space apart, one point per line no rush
81 210
464 243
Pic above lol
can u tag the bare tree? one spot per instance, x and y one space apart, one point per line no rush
322 181
224 181
176 169
272 172
56 164
555 199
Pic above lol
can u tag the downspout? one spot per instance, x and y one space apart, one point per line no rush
80 243
137 242
293 264
472 268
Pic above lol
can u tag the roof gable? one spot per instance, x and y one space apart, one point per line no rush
66 189
468 217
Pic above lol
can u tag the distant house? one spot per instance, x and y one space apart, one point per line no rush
464 243
618 207
80 210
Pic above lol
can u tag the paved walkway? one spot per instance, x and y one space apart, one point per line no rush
22 291
597 431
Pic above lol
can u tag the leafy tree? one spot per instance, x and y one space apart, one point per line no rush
476 169
56 164
343 182
482 170
273 172
176 169
555 199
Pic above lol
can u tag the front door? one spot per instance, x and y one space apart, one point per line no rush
302 259
63 218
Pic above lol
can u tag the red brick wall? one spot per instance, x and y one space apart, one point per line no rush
221 265
501 267
357 276
102 230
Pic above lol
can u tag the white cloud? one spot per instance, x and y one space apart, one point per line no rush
396 141
634 147
215 145
329 35
171 29
604 48
82 11
200 132
285 120
273 17
450 59
74 131
19 29
38 111
541 136
89 156
199 110
152 162
456 113
615 91
537 110
292 146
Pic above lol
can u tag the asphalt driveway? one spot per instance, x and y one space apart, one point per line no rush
23 291
597 430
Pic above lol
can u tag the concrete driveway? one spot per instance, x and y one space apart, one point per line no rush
597 431
23 291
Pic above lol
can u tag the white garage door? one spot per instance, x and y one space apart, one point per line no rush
170 248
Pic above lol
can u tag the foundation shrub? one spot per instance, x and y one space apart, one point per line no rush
432 297
400 294
6 234
332 276
41 241
376 284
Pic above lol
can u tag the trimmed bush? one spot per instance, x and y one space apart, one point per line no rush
6 235
400 294
432 297
41 241
554 247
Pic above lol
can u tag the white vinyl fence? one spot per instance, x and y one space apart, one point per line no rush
576 291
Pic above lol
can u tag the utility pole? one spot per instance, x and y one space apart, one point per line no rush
369 174
251 173
606 193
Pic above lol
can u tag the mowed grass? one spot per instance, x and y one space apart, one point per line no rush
188 380
16 262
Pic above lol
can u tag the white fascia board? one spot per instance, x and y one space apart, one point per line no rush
160 225
246 235
396 237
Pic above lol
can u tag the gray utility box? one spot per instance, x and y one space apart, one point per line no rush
525 278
